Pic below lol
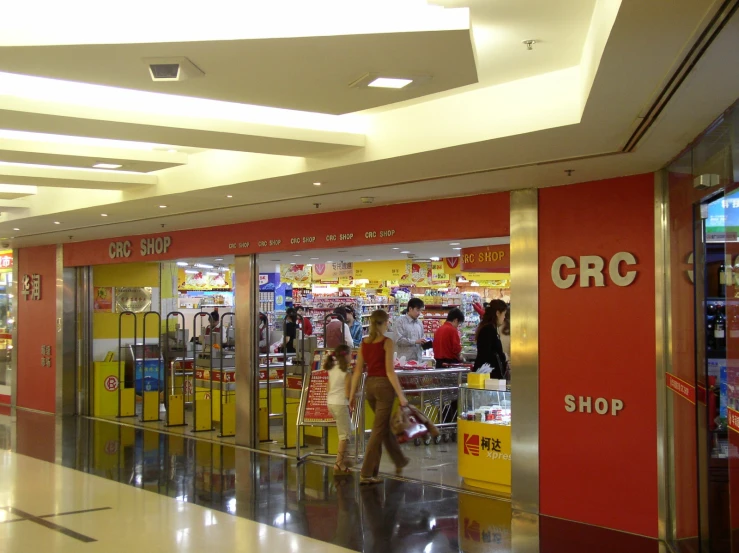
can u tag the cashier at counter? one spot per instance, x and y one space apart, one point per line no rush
447 345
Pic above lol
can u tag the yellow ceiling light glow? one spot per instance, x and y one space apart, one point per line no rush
388 82
107 166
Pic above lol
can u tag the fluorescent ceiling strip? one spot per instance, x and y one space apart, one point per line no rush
82 140
78 21
58 92
18 189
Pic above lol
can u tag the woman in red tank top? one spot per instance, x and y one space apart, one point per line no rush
381 387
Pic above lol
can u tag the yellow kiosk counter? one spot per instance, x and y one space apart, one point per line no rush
484 434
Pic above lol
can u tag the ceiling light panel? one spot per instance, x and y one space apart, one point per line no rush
388 82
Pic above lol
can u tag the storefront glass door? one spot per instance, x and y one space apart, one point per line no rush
717 337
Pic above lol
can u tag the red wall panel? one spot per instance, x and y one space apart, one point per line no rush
598 342
486 216
36 328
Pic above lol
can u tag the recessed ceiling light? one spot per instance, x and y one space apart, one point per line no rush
396 248
316 184
435 259
329 261
315 258
369 260
388 82
183 264
162 207
203 266
57 223
219 259
107 166
405 251
103 214
191 272
296 255
16 229
229 196
456 248
454 243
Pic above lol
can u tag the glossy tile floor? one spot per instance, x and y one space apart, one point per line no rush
434 463
76 484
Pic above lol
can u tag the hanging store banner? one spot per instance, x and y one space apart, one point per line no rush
452 265
416 274
137 300
381 270
189 281
295 274
6 259
332 272
438 274
487 259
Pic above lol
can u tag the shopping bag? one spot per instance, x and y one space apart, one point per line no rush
423 419
406 425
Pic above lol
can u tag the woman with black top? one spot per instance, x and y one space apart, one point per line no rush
291 329
489 346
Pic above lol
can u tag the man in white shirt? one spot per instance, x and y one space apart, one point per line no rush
409 330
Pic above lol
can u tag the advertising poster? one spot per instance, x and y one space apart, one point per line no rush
195 280
297 275
417 274
330 273
103 299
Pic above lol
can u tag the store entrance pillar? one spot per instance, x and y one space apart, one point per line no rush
246 339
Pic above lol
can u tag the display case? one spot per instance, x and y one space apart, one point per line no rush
484 438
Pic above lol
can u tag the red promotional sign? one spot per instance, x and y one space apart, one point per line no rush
369 226
487 259
733 419
316 407
681 388
591 224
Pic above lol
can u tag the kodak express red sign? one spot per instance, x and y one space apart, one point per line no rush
487 259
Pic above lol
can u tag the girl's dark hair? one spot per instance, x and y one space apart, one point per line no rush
338 357
491 315
506 328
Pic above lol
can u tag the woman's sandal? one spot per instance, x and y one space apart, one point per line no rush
337 465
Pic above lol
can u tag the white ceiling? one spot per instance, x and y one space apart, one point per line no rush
570 103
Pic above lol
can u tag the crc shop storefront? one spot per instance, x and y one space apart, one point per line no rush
582 268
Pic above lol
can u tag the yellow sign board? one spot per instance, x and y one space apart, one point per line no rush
380 270
484 455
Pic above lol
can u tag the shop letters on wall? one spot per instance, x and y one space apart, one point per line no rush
591 268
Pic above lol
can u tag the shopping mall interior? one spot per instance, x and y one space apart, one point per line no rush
201 203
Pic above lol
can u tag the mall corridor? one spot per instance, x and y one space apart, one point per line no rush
81 485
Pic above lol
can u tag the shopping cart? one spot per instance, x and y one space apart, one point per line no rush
434 392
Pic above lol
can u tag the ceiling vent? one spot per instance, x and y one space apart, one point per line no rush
172 69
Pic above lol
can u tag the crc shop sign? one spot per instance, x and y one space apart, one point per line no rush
147 247
591 270
31 287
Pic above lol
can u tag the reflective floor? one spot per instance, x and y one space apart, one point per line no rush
83 485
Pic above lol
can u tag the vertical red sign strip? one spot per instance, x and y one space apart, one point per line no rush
598 342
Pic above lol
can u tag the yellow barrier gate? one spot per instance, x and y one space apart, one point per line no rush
126 381
202 405
150 398
175 394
